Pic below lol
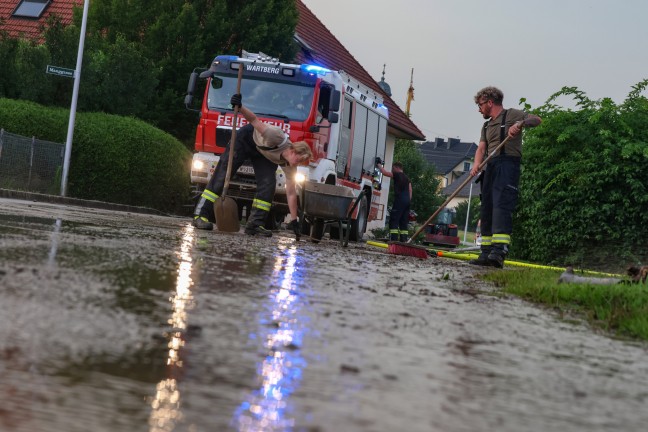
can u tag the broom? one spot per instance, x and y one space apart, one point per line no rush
409 249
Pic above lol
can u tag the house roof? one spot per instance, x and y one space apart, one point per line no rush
320 47
465 192
445 155
31 28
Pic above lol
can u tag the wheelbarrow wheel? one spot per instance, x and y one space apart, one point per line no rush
317 230
334 232
359 225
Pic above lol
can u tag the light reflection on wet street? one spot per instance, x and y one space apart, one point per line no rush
115 321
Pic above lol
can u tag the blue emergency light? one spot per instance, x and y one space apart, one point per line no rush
315 69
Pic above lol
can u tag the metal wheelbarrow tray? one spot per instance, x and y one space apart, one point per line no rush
329 203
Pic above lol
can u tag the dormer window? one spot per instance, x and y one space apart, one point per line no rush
31 8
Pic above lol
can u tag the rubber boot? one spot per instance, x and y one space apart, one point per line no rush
393 236
204 217
482 259
403 238
201 222
497 255
256 222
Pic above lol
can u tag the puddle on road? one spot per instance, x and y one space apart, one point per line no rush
281 330
126 322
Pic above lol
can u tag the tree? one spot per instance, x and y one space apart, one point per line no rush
138 55
167 39
462 212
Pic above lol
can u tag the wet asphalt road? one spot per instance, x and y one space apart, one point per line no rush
116 321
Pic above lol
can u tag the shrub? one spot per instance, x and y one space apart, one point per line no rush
114 159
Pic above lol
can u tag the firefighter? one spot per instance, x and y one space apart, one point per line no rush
399 215
266 147
500 179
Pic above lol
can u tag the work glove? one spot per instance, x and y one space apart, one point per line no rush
293 225
378 161
237 100
480 177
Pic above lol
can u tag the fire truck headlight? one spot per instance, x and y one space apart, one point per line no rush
198 165
300 178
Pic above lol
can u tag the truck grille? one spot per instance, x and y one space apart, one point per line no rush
223 136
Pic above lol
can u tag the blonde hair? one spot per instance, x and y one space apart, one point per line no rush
302 149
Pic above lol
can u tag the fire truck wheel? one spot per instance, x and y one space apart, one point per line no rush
317 230
359 225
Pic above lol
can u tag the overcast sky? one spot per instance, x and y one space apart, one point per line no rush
456 47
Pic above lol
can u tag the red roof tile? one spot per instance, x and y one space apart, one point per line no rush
320 47
30 28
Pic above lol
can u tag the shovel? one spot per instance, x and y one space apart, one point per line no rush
225 208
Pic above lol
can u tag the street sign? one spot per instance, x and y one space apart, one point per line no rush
56 70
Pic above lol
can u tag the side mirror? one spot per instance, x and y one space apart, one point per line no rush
333 117
188 101
191 88
334 102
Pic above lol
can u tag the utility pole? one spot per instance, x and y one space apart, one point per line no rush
75 96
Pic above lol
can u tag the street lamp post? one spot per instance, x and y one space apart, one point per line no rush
75 96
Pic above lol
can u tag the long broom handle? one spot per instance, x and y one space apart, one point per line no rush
463 185
233 138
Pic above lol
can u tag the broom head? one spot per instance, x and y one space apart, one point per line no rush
407 249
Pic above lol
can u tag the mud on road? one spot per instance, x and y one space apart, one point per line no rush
116 321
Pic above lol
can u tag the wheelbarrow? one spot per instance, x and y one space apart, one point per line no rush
324 204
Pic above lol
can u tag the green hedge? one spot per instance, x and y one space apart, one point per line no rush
114 159
584 184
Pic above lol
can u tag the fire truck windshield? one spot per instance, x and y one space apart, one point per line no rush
272 98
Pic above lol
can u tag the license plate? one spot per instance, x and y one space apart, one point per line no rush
246 170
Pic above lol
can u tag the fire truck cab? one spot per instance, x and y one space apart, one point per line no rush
343 121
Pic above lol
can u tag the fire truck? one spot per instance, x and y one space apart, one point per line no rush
343 121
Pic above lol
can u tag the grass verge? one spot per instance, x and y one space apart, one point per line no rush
621 308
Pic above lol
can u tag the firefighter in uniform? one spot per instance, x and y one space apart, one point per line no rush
266 147
399 215
500 179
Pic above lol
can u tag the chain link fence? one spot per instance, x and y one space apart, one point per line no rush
30 164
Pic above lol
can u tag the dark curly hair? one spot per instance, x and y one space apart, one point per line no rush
490 93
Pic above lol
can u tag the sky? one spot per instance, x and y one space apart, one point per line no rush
456 47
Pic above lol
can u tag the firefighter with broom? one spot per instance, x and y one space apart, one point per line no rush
399 215
500 179
266 147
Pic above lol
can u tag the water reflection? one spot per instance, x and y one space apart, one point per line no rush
166 407
282 330
51 257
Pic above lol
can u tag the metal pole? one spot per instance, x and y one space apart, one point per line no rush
75 96
468 213
31 161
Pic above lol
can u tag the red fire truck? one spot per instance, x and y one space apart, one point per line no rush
343 121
